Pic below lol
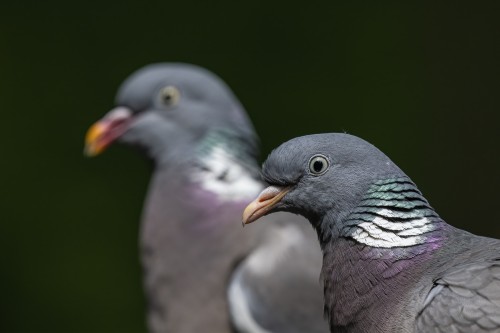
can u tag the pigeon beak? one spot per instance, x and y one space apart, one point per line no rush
101 134
266 200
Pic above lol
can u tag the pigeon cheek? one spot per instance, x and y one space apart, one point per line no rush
264 203
105 131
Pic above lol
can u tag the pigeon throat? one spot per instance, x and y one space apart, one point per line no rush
225 166
393 213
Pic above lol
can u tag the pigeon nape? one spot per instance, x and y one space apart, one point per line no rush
390 263
202 273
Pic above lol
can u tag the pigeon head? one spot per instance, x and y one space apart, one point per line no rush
318 174
162 109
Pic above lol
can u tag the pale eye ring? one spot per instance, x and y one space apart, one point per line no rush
318 164
170 95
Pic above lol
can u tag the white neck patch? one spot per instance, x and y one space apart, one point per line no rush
224 176
381 232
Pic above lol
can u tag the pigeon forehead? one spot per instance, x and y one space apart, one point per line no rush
141 87
287 163
300 150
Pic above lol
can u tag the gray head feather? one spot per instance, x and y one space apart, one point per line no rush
165 128
354 165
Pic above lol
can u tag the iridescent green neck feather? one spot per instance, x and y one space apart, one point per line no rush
393 213
225 165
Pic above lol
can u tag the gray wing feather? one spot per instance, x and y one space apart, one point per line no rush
466 299
277 288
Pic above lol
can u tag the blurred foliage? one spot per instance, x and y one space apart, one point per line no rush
420 81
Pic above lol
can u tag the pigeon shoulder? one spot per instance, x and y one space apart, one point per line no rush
465 296
466 299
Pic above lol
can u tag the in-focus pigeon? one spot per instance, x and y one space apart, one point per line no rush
390 263
202 272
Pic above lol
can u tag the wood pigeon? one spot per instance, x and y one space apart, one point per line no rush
390 263
202 272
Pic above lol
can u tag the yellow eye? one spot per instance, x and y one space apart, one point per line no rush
318 165
170 95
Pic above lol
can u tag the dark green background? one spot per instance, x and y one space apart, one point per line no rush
420 82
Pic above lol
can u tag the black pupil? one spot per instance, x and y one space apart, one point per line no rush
167 97
318 166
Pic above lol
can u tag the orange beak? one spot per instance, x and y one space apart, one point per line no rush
266 200
101 134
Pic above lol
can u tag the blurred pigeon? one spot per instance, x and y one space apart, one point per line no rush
202 272
391 264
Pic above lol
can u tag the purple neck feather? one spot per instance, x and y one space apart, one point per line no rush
373 255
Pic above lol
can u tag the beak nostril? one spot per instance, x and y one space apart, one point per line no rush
266 200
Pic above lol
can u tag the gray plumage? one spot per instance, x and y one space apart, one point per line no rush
202 272
391 264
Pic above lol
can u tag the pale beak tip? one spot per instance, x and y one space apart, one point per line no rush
87 152
90 151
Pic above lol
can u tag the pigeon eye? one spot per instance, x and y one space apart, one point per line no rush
170 95
318 164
